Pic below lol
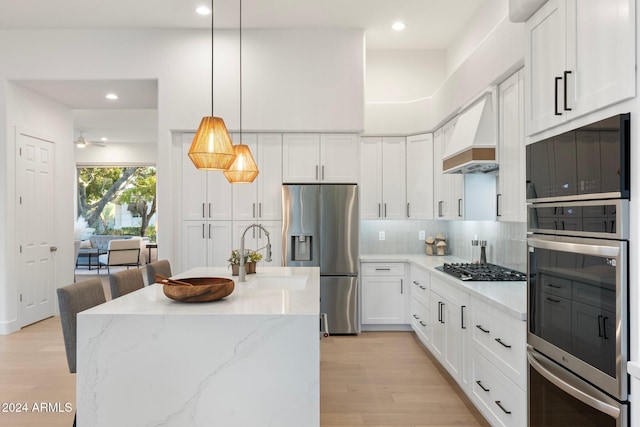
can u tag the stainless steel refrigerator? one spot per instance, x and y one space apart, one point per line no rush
320 229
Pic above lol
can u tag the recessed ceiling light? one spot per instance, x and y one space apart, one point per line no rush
111 96
104 138
203 10
398 26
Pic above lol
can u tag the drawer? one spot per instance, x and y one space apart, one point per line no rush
420 289
449 291
555 285
420 320
383 269
500 338
501 401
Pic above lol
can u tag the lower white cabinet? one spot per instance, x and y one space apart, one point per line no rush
383 294
501 401
205 244
449 328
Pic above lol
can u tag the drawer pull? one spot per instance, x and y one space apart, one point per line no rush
553 300
482 329
416 317
503 344
415 283
423 288
383 269
502 407
551 285
482 387
422 323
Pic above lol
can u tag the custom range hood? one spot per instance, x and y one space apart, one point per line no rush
472 147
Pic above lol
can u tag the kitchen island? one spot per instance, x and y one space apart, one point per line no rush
250 359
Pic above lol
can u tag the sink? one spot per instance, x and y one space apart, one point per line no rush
278 282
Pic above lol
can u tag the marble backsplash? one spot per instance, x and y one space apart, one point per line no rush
506 241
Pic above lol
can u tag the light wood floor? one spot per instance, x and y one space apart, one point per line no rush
373 379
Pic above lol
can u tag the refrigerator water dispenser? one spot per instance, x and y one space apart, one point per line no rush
301 247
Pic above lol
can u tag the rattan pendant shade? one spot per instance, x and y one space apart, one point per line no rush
211 148
243 170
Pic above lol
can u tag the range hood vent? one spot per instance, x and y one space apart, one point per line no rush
472 148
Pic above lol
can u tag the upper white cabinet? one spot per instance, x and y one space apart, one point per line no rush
511 197
448 189
205 244
310 157
262 199
206 195
420 176
580 57
382 179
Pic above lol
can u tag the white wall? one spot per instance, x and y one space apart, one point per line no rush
117 154
293 80
43 118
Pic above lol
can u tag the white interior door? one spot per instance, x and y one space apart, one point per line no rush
35 228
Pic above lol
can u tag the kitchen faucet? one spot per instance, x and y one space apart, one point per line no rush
241 269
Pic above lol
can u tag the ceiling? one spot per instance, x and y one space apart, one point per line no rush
430 24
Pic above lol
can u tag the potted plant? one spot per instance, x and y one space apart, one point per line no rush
250 260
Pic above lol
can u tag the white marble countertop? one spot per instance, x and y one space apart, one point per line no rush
510 297
273 290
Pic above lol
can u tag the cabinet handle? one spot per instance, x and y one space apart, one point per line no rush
566 78
401 286
408 210
441 312
553 300
209 210
604 328
482 387
254 210
600 325
316 172
486 331
203 211
423 288
383 269
555 107
462 317
415 283
260 209
379 214
203 231
385 210
498 196
416 317
460 208
551 285
323 172
440 209
503 344
422 323
502 407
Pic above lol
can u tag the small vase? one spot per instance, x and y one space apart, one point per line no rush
249 268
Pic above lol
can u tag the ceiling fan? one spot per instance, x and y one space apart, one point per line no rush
82 142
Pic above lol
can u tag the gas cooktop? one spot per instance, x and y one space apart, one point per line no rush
482 272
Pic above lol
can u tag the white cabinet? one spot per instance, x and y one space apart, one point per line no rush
449 328
311 157
580 57
206 195
511 197
205 244
419 176
448 189
419 307
383 293
257 239
262 199
382 179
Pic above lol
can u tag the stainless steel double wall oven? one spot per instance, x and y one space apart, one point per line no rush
578 323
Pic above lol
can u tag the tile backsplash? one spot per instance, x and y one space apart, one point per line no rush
506 241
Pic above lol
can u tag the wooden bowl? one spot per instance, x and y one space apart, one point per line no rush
204 289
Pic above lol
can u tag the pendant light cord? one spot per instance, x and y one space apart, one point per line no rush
211 58
240 51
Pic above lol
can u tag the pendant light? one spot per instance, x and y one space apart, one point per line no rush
211 148
243 170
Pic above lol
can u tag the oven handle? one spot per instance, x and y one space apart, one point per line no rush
568 245
572 385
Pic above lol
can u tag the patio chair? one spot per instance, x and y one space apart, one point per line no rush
125 252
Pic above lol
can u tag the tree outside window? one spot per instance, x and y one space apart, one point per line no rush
118 200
